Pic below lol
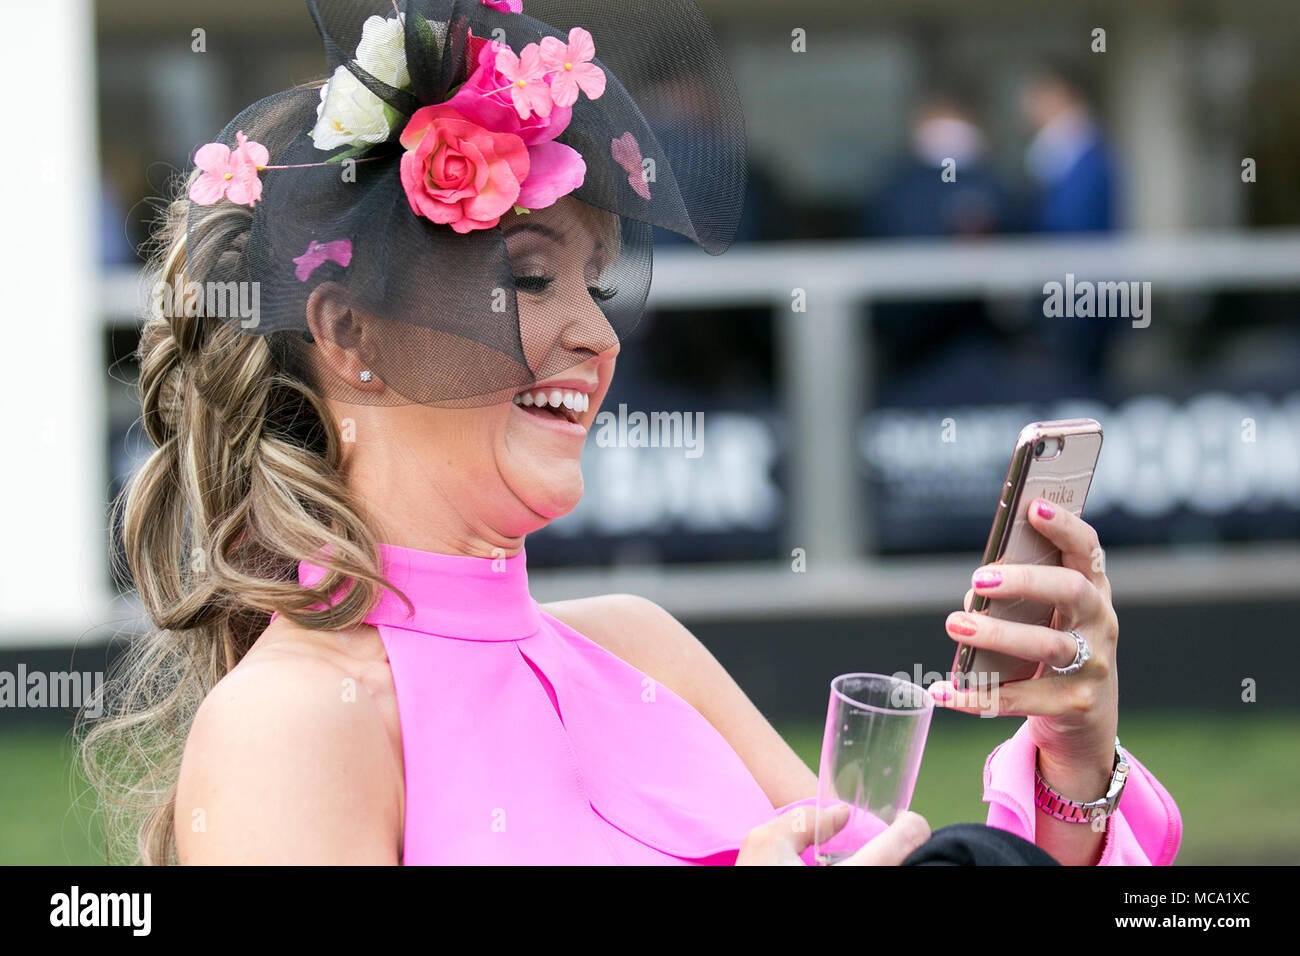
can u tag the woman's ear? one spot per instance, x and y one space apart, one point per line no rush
341 337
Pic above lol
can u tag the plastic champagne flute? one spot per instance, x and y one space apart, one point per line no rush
871 753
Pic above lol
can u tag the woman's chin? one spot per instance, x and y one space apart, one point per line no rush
543 462
548 486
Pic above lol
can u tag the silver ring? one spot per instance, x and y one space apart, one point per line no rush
1081 655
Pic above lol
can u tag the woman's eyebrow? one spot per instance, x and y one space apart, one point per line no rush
548 232
544 230
535 227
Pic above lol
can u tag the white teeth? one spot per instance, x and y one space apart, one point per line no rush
577 402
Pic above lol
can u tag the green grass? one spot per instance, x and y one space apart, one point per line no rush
1236 780
44 805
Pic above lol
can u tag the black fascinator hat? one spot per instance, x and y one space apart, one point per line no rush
440 121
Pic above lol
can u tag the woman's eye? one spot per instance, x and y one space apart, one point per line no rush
533 284
539 284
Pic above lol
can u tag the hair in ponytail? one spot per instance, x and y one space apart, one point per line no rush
244 482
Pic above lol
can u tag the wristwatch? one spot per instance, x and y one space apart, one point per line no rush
1072 811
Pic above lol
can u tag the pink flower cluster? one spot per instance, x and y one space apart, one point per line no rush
492 146
229 173
489 148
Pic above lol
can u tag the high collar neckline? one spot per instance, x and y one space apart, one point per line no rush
474 599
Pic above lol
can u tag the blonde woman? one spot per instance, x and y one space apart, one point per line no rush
348 666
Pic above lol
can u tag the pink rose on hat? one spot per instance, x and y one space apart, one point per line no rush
458 173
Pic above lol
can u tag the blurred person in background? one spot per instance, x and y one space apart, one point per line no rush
1068 158
1072 190
942 187
918 199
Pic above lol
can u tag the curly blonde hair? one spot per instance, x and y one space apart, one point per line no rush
244 482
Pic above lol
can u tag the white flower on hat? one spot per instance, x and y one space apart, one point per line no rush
382 50
349 114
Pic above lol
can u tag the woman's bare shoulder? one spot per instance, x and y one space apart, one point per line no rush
656 643
649 638
614 621
287 761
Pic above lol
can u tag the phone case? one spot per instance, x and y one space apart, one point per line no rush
1064 480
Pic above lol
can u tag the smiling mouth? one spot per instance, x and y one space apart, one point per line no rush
562 403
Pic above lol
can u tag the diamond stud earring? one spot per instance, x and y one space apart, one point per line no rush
365 375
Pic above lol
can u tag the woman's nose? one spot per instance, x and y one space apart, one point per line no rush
587 329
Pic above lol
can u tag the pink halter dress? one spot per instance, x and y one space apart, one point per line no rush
526 743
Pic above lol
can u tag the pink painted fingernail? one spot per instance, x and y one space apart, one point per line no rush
940 693
1045 510
960 623
987 578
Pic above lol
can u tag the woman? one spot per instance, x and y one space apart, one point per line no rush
330 536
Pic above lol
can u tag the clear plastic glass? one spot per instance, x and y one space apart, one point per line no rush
871 753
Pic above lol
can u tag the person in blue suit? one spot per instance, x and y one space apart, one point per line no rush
1068 159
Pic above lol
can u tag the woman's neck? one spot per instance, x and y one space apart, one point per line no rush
406 469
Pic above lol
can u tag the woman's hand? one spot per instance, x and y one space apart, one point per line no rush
780 841
1073 718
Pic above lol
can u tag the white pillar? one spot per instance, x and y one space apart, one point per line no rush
53 546
1148 87
824 377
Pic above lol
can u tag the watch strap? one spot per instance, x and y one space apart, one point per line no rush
1075 811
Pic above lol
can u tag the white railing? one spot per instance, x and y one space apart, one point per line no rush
823 355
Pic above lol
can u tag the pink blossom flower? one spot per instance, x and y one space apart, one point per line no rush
627 153
529 91
456 172
505 6
571 69
318 253
483 99
229 174
555 170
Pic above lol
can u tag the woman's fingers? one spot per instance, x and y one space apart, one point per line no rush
1080 549
1027 641
779 841
1080 595
1074 596
908 831
1051 696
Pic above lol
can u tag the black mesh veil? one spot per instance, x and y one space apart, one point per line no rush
442 314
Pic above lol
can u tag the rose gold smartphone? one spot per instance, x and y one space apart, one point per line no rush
1052 460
